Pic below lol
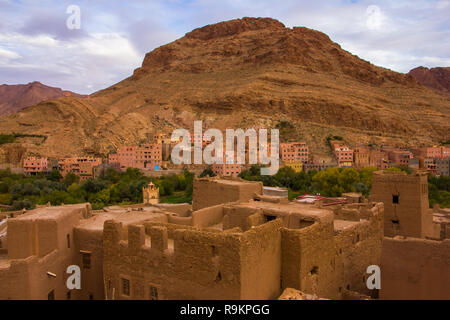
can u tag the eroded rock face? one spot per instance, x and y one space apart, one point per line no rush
435 78
251 72
14 98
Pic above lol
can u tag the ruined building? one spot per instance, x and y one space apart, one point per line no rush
242 245
416 248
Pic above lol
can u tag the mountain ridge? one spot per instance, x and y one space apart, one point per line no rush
250 72
14 98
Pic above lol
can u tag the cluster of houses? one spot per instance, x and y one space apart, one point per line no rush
155 157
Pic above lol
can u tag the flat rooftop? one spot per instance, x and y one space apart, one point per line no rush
305 210
126 215
50 212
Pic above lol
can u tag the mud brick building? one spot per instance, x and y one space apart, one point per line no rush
416 247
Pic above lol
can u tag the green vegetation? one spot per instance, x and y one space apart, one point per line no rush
20 191
330 138
285 129
439 191
10 138
331 182
6 138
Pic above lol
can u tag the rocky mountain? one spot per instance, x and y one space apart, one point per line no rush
250 72
14 98
435 78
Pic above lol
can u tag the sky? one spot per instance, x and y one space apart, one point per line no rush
87 45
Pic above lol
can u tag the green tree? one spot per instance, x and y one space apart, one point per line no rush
70 178
54 175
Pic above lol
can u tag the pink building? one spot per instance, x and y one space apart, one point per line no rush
35 165
81 166
294 152
343 154
227 169
440 152
144 157
400 157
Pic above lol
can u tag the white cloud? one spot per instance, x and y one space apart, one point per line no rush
8 54
114 36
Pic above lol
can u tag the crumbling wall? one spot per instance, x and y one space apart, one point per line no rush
358 247
307 259
198 265
207 216
414 268
261 262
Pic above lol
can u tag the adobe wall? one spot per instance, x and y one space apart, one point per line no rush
212 191
181 209
414 268
199 264
261 262
324 259
28 278
90 241
410 216
40 248
189 263
208 216
307 259
358 247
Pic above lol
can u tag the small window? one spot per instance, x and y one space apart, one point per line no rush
91 296
153 293
51 295
68 295
68 241
395 198
125 287
86 260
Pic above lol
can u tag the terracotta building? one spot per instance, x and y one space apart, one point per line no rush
399 157
361 157
80 166
144 157
294 152
234 242
35 165
416 247
342 153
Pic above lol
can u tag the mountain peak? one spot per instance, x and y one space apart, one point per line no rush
436 78
233 27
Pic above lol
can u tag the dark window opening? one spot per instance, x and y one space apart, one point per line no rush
315 270
270 218
91 296
348 287
214 250
51 295
68 295
395 198
86 260
153 293
218 277
375 294
395 221
68 241
125 287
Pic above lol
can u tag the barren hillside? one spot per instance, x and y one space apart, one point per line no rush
250 72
